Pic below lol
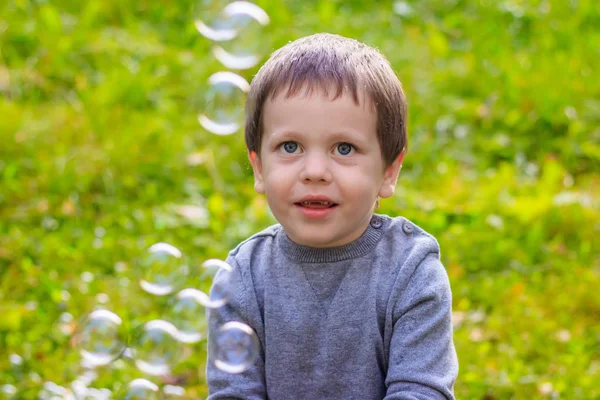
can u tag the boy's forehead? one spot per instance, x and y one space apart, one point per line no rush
310 90
317 111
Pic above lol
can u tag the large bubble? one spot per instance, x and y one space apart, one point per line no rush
156 348
101 338
235 347
224 99
189 316
139 389
163 269
211 22
222 289
172 392
242 42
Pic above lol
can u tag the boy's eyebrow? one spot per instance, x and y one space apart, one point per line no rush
342 136
284 135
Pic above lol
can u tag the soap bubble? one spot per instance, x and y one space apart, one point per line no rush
101 338
189 316
224 100
81 386
163 269
139 389
173 392
235 347
156 348
93 394
241 43
211 22
52 391
222 288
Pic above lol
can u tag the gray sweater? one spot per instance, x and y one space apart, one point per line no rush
367 320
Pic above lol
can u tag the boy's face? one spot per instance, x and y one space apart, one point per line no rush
325 150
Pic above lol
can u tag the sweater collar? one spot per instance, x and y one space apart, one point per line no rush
359 247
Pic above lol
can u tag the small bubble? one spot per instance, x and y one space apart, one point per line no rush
95 394
237 29
156 348
235 346
162 269
139 389
209 20
173 392
79 388
100 338
52 391
246 47
223 109
188 315
222 288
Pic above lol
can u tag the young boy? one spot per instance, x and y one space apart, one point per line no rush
346 304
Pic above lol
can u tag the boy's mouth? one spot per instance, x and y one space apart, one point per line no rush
317 204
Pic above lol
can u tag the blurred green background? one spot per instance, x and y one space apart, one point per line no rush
101 155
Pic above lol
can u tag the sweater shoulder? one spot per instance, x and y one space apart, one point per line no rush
409 240
256 243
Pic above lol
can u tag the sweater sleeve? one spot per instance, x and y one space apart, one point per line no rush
250 384
422 358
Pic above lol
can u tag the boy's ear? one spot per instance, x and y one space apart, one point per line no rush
259 185
390 177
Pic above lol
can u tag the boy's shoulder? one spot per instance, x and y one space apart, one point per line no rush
246 248
402 226
407 236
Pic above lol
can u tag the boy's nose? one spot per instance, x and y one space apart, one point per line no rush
315 168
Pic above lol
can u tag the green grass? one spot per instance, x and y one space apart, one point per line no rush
100 148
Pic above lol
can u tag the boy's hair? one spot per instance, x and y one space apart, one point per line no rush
332 62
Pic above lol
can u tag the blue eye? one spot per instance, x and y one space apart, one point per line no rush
289 147
344 148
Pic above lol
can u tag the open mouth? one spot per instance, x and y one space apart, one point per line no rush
316 204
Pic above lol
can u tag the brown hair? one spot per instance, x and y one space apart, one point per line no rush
332 62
